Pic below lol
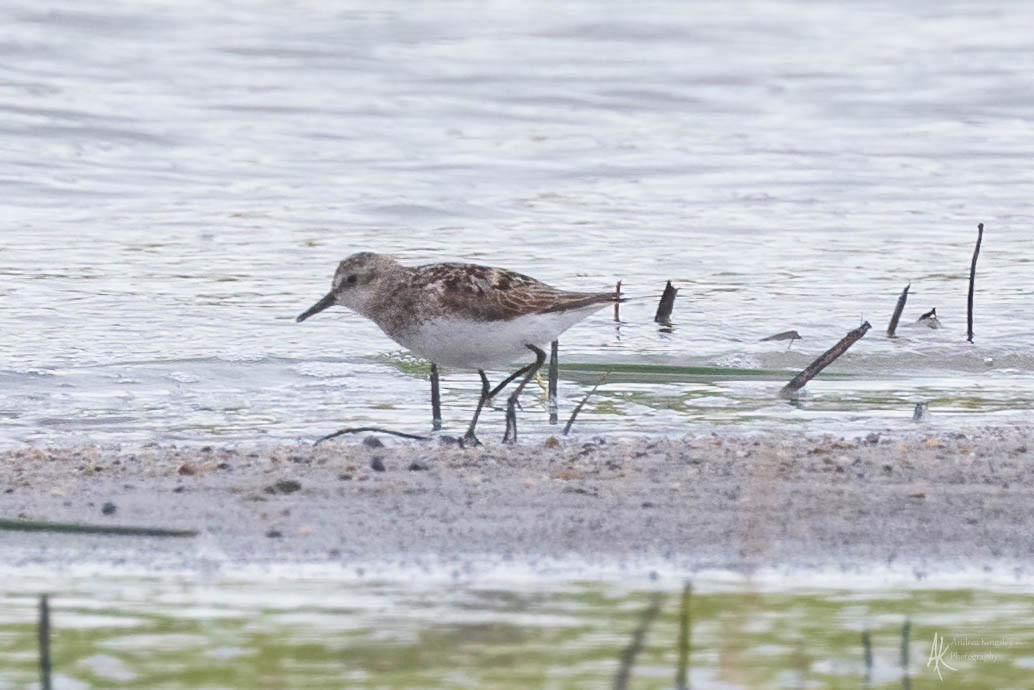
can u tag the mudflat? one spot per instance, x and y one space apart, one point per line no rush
924 499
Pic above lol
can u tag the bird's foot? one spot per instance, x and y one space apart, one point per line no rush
469 440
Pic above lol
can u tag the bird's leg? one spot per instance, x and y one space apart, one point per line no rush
554 375
486 392
511 403
436 400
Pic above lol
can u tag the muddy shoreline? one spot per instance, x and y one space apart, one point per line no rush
924 500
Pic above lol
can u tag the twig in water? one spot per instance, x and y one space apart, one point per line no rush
667 303
372 429
685 630
436 399
972 278
823 361
581 403
44 642
929 319
906 629
617 303
920 410
554 374
867 652
635 645
76 528
900 307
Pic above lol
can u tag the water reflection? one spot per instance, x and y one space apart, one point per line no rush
178 632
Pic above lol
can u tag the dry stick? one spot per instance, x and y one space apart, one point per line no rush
44 642
682 674
436 400
76 528
824 360
900 307
635 645
667 303
554 374
578 407
972 278
373 429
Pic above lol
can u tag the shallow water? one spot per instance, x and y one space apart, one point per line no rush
179 182
318 630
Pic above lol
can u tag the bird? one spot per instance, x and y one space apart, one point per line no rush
461 315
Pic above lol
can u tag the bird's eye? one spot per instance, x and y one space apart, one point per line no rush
351 279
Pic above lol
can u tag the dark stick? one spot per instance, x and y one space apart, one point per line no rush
972 278
436 400
682 674
906 679
867 651
76 528
554 374
581 403
824 360
44 642
617 304
900 307
667 303
635 645
373 429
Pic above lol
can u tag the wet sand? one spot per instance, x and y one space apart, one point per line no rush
926 500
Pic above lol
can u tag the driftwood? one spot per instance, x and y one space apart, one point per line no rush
900 307
823 361
972 279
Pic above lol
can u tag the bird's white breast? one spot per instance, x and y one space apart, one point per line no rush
467 344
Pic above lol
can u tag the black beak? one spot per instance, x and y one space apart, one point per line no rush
327 301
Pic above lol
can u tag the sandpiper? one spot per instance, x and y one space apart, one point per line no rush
461 315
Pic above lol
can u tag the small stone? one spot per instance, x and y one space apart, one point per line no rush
284 486
377 465
108 508
187 469
418 466
274 534
373 442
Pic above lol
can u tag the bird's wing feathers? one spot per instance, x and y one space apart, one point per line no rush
482 293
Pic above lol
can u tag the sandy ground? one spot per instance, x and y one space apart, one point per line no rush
922 499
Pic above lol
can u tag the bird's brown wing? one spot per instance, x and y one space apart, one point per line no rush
482 293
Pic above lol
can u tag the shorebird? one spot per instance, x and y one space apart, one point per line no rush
461 315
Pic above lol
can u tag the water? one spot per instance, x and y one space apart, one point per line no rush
179 181
319 630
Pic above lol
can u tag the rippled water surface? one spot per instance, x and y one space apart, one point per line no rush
179 180
320 631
